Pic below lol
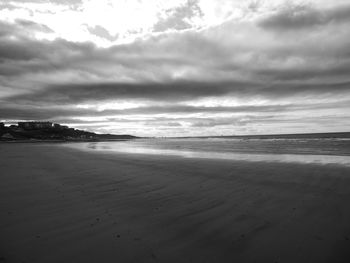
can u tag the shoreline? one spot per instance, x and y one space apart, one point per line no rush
339 158
59 204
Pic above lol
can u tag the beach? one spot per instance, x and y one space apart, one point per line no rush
60 204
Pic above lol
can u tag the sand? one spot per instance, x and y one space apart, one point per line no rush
63 205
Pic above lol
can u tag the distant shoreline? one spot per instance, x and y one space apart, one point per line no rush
331 135
282 136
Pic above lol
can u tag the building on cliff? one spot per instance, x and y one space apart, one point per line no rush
34 125
60 127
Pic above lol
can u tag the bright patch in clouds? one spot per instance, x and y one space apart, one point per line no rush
177 67
123 21
117 105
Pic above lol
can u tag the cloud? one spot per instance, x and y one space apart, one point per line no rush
209 77
7 6
176 91
231 121
340 70
303 17
25 57
19 48
171 111
21 53
72 114
179 18
171 94
27 24
102 32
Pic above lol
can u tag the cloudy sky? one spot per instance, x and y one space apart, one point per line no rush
177 67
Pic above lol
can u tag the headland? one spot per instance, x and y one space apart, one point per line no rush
48 131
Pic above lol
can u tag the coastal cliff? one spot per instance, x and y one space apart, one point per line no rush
52 131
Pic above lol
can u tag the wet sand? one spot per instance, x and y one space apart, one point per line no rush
63 205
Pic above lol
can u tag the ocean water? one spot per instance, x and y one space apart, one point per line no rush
296 150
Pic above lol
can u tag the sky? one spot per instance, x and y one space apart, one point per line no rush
177 67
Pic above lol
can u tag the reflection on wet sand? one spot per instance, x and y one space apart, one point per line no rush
149 149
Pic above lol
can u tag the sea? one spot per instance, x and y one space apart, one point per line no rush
312 148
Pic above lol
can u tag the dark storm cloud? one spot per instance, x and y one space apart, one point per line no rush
159 56
14 50
153 56
15 43
299 17
139 59
20 54
37 113
175 91
21 47
171 92
340 69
